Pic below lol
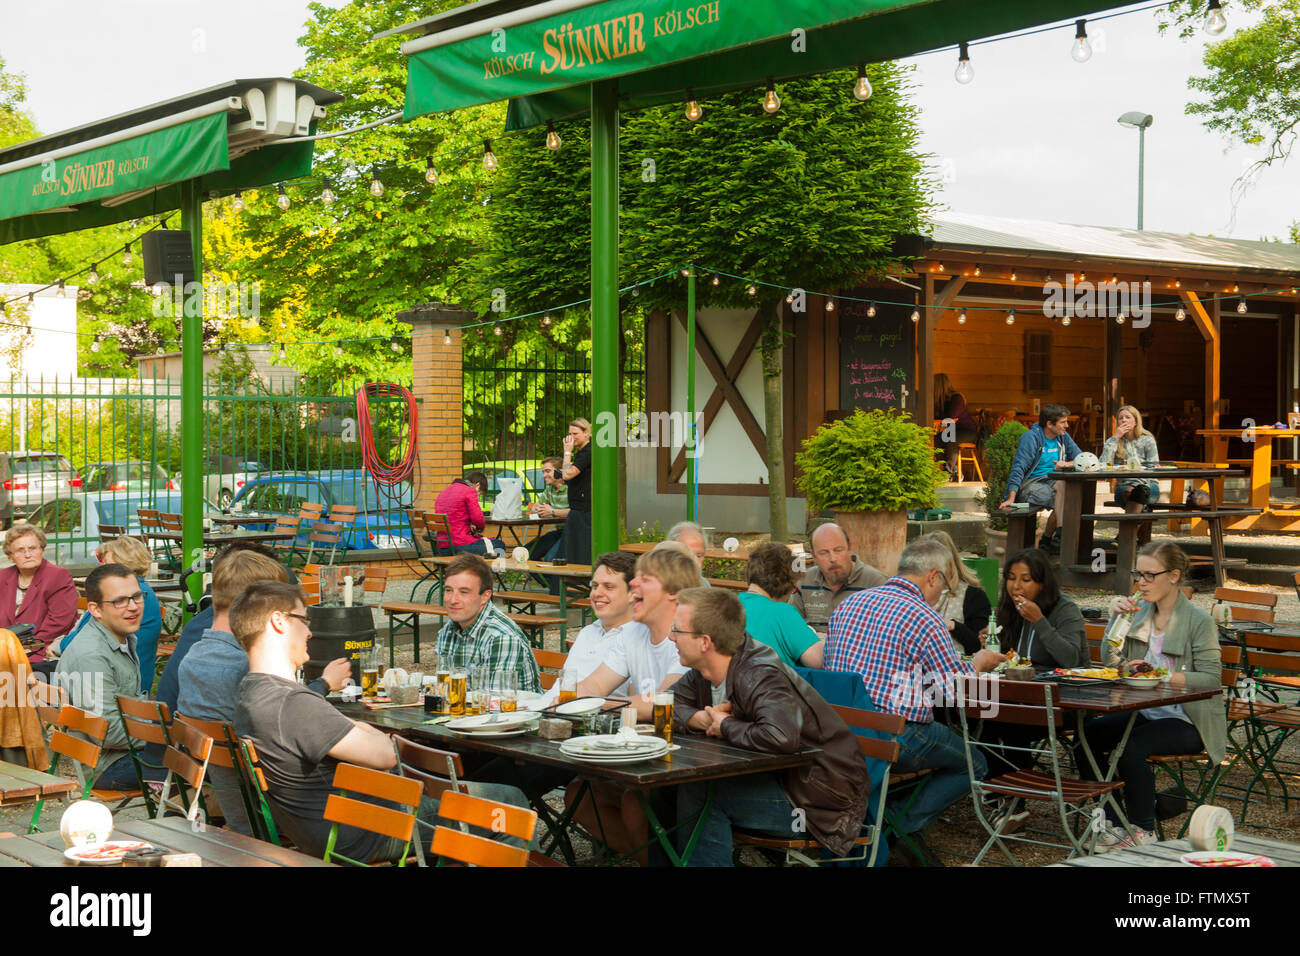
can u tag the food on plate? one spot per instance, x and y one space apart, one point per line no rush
1097 673
1144 669
107 851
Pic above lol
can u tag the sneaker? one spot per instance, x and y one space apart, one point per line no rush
1009 816
1116 838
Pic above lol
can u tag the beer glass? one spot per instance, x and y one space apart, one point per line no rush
568 685
370 672
456 691
663 717
477 695
507 689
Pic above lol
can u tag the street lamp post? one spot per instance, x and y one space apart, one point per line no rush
1139 122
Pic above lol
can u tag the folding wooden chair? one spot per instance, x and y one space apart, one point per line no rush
84 754
186 760
260 820
343 809
286 550
324 533
376 582
345 516
552 660
487 815
107 532
224 757
1248 605
145 722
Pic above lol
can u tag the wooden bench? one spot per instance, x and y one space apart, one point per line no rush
728 583
1022 529
407 613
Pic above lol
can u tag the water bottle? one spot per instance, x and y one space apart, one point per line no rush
992 643
1118 628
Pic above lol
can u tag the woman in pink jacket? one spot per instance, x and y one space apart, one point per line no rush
459 502
34 591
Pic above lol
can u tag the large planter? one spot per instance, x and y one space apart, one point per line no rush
878 537
995 545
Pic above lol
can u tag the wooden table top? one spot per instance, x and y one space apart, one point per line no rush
1167 853
214 847
700 758
238 518
499 565
710 554
23 785
1115 697
524 522
1069 474
225 537
1265 430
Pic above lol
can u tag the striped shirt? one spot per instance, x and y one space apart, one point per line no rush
900 646
492 641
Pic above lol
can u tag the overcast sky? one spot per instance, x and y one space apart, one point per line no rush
1033 137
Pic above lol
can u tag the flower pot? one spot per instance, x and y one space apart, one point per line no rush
878 537
995 545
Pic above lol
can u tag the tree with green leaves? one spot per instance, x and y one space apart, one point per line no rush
811 197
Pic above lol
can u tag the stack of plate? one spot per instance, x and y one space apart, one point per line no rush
493 725
613 748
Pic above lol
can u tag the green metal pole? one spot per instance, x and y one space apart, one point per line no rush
192 396
690 391
604 313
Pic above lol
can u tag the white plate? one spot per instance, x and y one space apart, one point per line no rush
583 705
113 851
492 722
494 734
1142 682
1217 858
608 761
602 747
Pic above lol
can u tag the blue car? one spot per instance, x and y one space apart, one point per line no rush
381 519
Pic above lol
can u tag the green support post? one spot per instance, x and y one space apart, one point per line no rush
604 313
192 396
690 390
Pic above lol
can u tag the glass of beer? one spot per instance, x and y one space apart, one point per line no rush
370 673
663 716
507 690
568 685
456 692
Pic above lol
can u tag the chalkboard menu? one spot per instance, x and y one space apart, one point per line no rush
877 353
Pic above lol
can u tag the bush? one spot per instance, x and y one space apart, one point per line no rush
870 461
999 453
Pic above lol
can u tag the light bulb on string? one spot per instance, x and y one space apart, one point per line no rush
1241 303
771 102
830 305
94 346
862 88
31 298
552 137
871 310
237 203
546 320
396 347
1011 317
489 158
751 289
1065 320
1081 51
126 255
693 110
977 270
283 199
916 311
1119 319
1013 275
338 351
93 277
1181 314
327 195
961 317
430 174
1215 21
63 294
789 297
964 72
497 329
282 354
376 187
715 280
446 337
686 273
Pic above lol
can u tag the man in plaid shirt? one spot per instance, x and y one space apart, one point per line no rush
477 632
893 637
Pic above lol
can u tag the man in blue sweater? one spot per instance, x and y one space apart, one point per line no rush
1042 450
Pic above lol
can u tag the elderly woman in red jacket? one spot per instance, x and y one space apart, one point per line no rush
34 591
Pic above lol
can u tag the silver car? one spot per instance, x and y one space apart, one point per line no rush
29 479
72 524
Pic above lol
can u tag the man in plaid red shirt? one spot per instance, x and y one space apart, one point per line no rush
893 637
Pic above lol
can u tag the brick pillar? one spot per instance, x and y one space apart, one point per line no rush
437 386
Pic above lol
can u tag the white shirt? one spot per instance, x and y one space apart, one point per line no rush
589 652
645 665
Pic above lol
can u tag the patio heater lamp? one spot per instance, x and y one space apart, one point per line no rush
1140 122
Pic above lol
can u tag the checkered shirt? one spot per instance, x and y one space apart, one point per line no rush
492 641
898 643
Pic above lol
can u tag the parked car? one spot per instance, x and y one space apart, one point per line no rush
30 478
381 521
225 476
72 524
125 476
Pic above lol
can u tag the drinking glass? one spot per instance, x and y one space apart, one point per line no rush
568 685
507 689
663 716
456 682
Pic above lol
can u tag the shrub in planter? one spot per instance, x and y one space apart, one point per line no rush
999 453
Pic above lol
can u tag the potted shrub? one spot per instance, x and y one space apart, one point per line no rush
999 453
869 469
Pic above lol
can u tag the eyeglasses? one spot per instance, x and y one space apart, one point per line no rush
301 617
122 602
1147 577
29 549
677 630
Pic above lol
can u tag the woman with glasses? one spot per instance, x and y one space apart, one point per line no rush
130 552
1168 632
34 591
1034 618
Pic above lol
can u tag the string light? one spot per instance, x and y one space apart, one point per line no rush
964 72
771 102
546 320
552 137
497 329
126 255
1215 21
862 88
789 297
961 319
338 351
693 110
430 174
376 187
31 298
283 199
1013 275
940 268
916 312
830 305
1081 51
282 352
1119 319
1181 314
63 294
1065 320
446 337
93 277
1241 303
1011 317
327 195
94 346
237 203
871 310
715 280
751 289
977 270
489 157
395 346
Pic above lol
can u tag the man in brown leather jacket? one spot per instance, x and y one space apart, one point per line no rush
740 691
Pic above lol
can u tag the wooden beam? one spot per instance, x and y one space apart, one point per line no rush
1213 364
924 397
1204 324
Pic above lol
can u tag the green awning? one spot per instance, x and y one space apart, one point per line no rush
658 48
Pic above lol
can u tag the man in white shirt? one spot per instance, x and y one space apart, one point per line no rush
611 600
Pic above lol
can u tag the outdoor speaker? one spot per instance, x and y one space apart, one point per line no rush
167 254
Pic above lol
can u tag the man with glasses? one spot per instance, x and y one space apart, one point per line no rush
894 638
102 663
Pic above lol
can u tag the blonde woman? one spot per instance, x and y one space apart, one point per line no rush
576 470
1131 442
132 554
965 608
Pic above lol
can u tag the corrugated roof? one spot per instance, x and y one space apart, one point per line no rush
1107 242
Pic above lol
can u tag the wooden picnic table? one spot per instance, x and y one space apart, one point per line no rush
164 586
237 518
710 554
1261 472
19 784
1167 853
219 538
215 847
699 760
1079 513
516 525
